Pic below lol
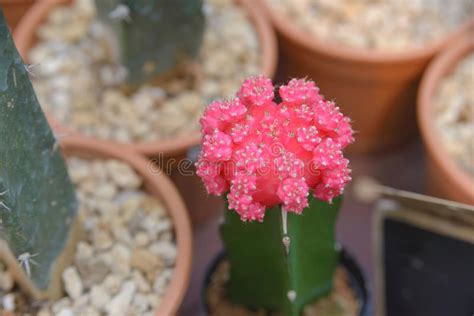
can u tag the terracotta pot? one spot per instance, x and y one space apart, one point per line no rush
201 206
25 38
376 89
445 178
14 10
160 186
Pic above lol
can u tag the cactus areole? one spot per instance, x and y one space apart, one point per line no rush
282 169
37 199
151 38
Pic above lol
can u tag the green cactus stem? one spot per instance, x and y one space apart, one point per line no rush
153 37
37 199
282 267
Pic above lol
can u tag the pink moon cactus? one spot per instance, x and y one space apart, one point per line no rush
265 153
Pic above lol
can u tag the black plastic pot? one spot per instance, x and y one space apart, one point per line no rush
357 280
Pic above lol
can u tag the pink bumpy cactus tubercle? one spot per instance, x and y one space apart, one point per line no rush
265 154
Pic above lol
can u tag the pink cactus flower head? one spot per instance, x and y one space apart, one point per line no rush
262 153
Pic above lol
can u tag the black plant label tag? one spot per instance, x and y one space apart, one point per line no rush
424 257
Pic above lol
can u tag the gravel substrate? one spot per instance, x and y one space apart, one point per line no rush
77 82
377 24
454 113
342 300
125 260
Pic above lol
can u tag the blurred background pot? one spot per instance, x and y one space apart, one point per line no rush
377 90
161 187
201 206
445 178
25 38
14 10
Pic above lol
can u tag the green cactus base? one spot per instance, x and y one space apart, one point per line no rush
263 275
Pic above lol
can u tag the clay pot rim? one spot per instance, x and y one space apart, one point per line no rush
357 54
436 71
159 185
24 38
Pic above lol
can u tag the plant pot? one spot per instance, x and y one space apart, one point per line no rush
201 206
377 90
25 38
357 281
14 10
445 178
160 186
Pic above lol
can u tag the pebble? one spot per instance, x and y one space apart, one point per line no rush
106 191
84 250
8 302
141 239
99 296
145 261
96 269
153 298
65 312
162 226
72 282
79 173
101 240
63 303
81 302
165 250
379 25
122 175
44 312
161 280
121 259
112 283
119 304
88 311
140 304
73 46
142 284
122 234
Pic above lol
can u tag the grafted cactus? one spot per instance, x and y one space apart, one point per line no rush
37 199
270 157
153 37
268 272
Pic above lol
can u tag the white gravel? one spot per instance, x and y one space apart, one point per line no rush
377 24
77 81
